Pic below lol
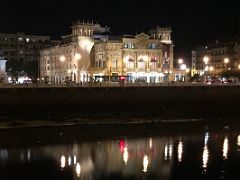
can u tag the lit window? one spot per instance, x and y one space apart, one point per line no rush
153 62
101 63
115 63
152 46
141 64
130 63
129 45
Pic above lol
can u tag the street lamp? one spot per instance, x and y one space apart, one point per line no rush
206 60
226 61
62 59
239 66
180 61
77 56
183 67
211 68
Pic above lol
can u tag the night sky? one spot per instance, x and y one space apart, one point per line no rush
194 22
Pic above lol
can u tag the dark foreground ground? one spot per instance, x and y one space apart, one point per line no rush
122 103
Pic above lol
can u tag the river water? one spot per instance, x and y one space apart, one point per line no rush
205 155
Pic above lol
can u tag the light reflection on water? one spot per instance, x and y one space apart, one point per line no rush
145 163
180 151
205 155
238 140
125 155
78 169
63 161
225 148
158 157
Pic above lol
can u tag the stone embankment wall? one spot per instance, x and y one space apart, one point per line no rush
194 101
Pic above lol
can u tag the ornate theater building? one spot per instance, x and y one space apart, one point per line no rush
91 53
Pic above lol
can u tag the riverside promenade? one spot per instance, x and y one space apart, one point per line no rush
165 101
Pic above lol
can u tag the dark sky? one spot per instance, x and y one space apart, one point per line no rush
194 22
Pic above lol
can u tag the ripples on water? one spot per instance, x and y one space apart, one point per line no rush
204 156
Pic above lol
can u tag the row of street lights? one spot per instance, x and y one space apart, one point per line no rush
206 60
226 61
77 57
183 66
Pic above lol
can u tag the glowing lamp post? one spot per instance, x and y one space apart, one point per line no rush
226 61
180 61
77 56
206 60
62 59
183 67
211 69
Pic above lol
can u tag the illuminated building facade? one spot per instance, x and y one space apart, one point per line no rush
70 60
22 53
140 58
89 54
221 56
3 74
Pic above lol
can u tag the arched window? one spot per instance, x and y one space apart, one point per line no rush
115 63
130 63
141 63
153 63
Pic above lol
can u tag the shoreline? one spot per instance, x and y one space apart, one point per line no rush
74 133
86 122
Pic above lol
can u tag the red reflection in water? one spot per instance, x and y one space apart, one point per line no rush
121 145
